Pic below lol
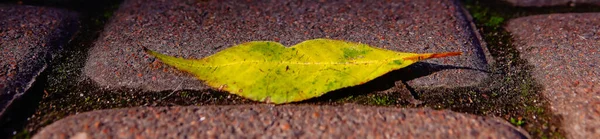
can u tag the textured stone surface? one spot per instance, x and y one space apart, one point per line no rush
294 121
195 29
28 37
565 50
540 3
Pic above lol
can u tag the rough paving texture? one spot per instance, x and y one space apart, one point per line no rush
28 37
195 29
565 50
540 3
259 121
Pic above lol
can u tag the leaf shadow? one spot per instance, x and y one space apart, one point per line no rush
388 81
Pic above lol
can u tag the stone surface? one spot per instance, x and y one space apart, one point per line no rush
565 50
195 29
28 37
284 121
540 3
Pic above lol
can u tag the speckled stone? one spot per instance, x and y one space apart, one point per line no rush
195 29
565 50
285 121
28 37
540 3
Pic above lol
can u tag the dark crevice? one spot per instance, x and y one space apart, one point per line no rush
412 91
17 114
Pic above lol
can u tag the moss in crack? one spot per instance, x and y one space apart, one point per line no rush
519 87
381 100
517 121
24 134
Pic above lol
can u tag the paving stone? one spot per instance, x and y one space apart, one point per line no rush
564 48
195 29
540 3
28 37
285 121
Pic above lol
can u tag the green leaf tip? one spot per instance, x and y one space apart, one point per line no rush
269 72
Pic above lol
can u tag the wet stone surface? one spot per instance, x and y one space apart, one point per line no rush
195 29
29 36
256 121
540 3
564 50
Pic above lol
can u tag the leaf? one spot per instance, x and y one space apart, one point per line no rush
269 72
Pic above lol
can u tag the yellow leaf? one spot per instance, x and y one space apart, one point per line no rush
269 72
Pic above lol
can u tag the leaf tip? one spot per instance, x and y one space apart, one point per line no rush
438 55
432 55
150 52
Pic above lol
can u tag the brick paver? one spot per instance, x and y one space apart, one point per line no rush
29 36
195 29
285 121
540 3
565 50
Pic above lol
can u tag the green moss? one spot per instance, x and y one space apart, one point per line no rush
24 134
381 100
517 121
494 21
346 99
185 94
